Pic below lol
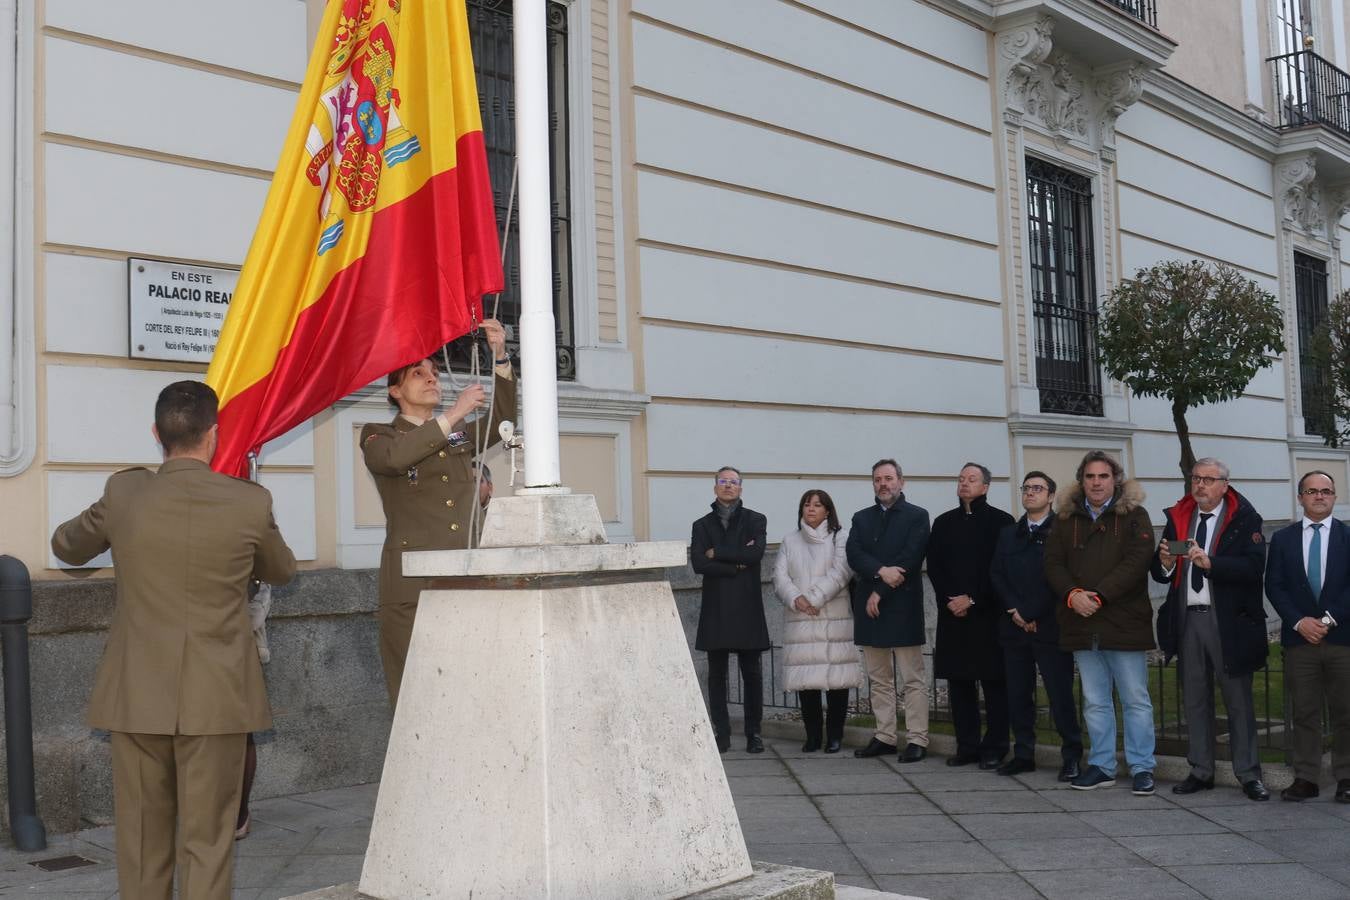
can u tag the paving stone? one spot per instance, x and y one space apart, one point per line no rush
341 839
1148 821
1258 882
927 782
257 872
860 881
1199 849
843 806
271 840
358 799
101 881
1306 844
1008 826
887 829
834 764
1134 883
789 806
961 802
321 869
1337 871
1102 798
295 815
959 887
1223 795
1271 815
754 767
789 831
1042 855
910 858
762 785
836 858
874 783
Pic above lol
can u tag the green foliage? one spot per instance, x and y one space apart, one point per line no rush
1190 332
1329 408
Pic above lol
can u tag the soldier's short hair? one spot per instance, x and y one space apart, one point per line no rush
184 413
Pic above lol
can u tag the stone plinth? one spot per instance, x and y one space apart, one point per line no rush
550 738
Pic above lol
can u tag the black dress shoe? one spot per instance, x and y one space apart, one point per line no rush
753 744
1300 790
1016 766
963 759
1343 791
1193 785
832 745
1255 790
1070 770
989 761
913 753
875 748
723 744
812 745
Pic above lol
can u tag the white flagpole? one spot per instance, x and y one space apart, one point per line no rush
538 344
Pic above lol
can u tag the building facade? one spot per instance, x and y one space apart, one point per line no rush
792 237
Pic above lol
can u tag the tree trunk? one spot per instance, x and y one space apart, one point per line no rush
1184 436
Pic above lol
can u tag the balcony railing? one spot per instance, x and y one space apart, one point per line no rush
1145 11
1310 91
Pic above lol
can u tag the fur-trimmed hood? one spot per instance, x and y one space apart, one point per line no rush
1128 499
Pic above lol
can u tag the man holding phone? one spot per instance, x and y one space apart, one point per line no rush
1213 556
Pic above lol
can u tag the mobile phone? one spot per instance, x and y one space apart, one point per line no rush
1178 548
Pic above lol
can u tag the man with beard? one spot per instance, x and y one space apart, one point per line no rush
967 651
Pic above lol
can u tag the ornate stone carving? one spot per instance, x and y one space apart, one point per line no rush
1118 90
1302 195
1021 52
1055 96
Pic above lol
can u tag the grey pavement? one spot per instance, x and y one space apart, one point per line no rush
922 829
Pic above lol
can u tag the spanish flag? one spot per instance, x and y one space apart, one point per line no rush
378 239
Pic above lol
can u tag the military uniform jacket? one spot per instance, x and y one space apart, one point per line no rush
426 486
180 657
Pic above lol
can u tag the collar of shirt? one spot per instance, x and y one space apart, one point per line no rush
1216 519
1096 513
1308 523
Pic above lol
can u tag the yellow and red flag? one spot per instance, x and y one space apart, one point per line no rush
378 238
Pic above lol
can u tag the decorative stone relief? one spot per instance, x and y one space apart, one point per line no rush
1118 91
1021 53
1302 194
1056 98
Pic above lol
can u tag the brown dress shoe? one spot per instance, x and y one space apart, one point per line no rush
1299 791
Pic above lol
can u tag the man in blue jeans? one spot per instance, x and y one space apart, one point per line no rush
1096 561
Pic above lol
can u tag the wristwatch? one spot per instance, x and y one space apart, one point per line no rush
1327 620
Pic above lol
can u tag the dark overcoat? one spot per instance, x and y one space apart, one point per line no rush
1237 565
1018 574
896 537
960 551
731 616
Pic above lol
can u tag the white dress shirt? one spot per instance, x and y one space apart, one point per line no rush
1201 597
1307 542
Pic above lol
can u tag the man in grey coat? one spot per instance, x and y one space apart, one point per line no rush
886 545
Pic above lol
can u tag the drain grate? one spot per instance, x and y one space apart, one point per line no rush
61 863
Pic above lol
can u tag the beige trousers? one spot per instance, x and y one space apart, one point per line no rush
175 800
882 664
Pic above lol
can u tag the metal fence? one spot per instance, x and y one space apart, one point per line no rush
1273 712
1309 90
1145 11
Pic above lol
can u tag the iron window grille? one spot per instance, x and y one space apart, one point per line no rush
1063 289
491 34
1310 300
1145 11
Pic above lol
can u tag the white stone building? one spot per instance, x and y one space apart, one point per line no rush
794 236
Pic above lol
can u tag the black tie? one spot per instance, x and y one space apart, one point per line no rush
1197 576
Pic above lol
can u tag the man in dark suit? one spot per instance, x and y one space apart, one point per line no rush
180 684
966 651
1214 620
726 548
1030 634
1308 583
886 544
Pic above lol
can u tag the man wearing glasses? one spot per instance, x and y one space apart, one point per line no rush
1214 619
726 548
1308 583
1030 635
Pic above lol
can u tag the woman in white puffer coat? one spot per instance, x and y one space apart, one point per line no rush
811 578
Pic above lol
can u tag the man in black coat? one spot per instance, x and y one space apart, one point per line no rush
1030 635
885 550
967 651
726 548
1214 620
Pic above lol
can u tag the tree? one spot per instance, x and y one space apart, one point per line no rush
1192 333
1329 409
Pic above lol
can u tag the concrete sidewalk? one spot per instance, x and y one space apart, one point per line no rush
923 829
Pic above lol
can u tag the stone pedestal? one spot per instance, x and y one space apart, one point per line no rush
550 738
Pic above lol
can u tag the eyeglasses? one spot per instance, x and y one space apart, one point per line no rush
1318 492
1033 488
728 482
1206 480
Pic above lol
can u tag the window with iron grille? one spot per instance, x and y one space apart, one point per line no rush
1310 300
1063 289
491 33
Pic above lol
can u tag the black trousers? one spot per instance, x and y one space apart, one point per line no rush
833 722
965 703
753 694
1021 660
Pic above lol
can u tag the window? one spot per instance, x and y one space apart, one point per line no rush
1310 299
1063 289
1293 25
490 30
